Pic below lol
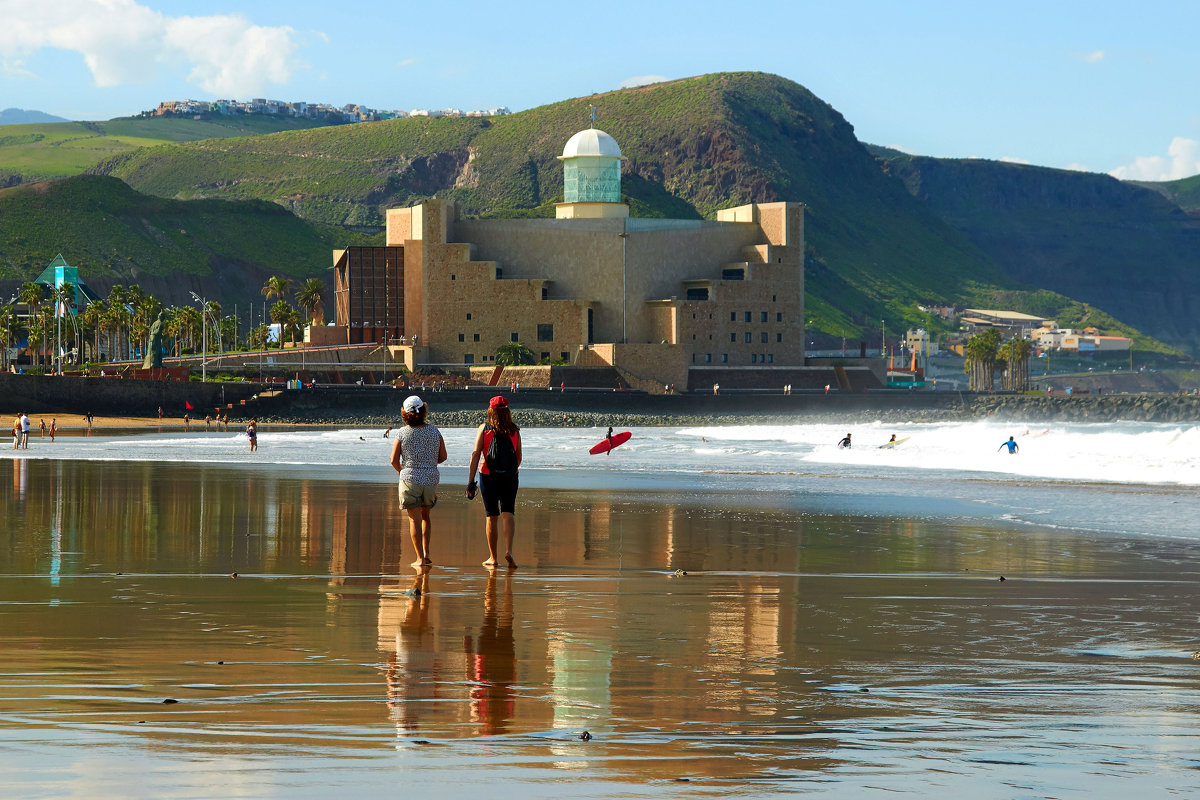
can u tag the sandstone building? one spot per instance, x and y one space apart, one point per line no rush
655 298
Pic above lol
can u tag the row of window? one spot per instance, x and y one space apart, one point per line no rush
469 358
748 316
755 358
545 333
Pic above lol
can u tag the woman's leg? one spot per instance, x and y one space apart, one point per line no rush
509 524
414 532
490 529
426 529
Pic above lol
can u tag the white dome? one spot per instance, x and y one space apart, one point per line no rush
591 142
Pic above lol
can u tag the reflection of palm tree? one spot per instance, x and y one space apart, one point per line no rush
492 661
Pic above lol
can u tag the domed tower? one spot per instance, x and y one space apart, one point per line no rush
591 177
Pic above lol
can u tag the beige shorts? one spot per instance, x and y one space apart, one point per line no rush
416 495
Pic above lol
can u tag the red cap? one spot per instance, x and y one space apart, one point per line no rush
498 402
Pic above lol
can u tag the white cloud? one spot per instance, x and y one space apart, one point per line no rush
1015 160
405 62
122 41
1094 57
1182 161
1079 167
642 80
901 148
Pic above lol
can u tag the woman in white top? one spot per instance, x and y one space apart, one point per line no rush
417 451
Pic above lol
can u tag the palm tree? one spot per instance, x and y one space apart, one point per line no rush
311 298
64 301
982 351
31 295
1016 353
275 287
116 304
281 312
514 354
8 327
93 317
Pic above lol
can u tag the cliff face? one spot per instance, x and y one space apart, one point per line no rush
1119 246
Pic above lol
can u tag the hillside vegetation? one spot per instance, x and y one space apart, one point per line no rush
693 146
33 152
1109 245
116 235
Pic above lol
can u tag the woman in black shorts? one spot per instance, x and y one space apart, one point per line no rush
497 456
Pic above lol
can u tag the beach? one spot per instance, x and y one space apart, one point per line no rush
717 627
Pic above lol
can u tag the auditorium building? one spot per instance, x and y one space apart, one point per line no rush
664 301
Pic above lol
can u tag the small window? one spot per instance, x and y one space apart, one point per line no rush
747 337
697 294
764 316
708 358
779 317
693 337
545 332
779 337
754 358
772 298
545 293
564 355
452 277
733 274
747 316
724 358
693 316
733 316
763 337
770 358
733 337
462 337
514 336
468 317
476 337
499 272
469 358
545 355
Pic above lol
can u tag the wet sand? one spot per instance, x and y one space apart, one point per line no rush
801 652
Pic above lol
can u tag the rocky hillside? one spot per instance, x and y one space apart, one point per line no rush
1121 247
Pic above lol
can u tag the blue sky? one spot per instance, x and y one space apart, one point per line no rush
1096 85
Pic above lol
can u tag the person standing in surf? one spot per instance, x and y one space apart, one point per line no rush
844 444
416 453
498 445
1011 444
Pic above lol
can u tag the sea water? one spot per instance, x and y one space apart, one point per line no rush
1123 478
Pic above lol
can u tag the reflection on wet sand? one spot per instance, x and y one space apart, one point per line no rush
839 652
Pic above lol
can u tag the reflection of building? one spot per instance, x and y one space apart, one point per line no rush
654 297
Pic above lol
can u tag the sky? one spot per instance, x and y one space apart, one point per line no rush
1096 86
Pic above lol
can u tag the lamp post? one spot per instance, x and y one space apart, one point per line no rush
204 335
624 330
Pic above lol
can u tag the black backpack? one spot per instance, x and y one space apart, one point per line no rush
501 456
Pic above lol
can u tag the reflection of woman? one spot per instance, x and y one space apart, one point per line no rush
412 665
492 661
497 475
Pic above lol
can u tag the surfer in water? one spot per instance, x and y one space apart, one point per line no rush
844 444
608 438
1012 446
892 440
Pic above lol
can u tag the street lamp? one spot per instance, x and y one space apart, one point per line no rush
204 335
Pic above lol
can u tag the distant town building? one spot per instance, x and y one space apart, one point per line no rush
1088 340
1011 323
350 112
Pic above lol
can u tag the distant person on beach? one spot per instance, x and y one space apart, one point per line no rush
24 430
416 453
1011 444
160 412
385 433
53 429
16 431
43 428
89 421
844 444
187 421
498 444
207 421
252 434
225 422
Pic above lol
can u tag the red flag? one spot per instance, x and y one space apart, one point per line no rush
188 406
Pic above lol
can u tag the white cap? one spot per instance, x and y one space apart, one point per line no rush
413 403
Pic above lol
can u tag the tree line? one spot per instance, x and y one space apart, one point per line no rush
117 328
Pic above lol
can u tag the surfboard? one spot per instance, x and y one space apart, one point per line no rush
604 446
890 445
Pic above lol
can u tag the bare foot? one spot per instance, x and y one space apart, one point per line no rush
420 562
511 564
491 562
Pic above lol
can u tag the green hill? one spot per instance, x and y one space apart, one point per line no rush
169 247
58 149
1184 192
1115 246
693 146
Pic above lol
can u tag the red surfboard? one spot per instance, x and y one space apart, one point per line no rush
609 444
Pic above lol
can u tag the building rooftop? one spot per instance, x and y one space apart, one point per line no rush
591 142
